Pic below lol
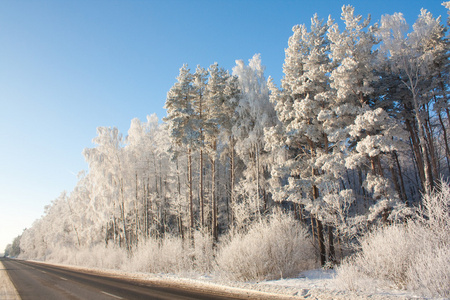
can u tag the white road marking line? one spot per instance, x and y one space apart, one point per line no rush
43 272
117 297
63 278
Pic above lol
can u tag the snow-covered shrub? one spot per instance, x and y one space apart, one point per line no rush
101 256
274 248
62 255
415 255
386 254
98 256
143 257
351 277
174 255
430 272
160 256
203 252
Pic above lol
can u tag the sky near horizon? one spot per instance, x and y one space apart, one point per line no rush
67 67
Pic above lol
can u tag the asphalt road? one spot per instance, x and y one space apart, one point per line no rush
41 281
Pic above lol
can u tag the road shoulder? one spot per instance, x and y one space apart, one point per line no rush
7 289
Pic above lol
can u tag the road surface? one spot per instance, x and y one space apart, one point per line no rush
41 281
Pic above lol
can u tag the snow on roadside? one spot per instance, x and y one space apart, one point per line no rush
7 289
320 284
313 284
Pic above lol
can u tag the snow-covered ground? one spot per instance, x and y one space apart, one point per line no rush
312 284
321 284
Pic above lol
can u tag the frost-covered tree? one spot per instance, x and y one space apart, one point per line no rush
107 163
221 93
88 211
352 77
253 113
150 172
305 95
200 78
13 250
363 132
183 123
435 90
409 61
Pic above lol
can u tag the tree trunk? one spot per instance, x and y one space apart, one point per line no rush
148 208
447 150
322 251
395 181
202 220
232 175
213 195
191 203
180 214
447 110
331 250
115 230
315 194
402 184
366 199
417 151
320 237
258 198
375 164
422 141
124 221
136 212
429 169
430 143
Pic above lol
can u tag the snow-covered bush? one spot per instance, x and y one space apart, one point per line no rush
415 255
167 255
174 255
351 277
203 252
271 249
98 256
386 254
101 256
430 272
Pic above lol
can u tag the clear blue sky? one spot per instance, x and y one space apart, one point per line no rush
67 67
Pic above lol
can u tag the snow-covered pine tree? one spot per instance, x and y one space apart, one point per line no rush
200 78
353 79
305 95
217 107
183 124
